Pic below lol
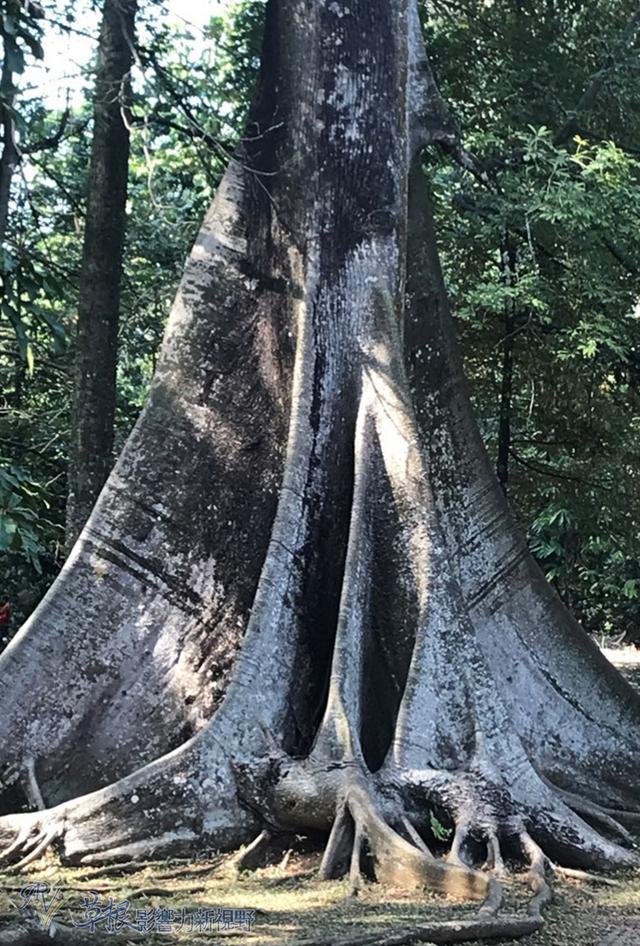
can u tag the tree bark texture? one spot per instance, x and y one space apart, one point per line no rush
301 603
508 267
10 156
96 343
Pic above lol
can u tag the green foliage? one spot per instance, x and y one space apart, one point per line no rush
20 286
549 105
21 27
439 831
27 295
29 539
21 504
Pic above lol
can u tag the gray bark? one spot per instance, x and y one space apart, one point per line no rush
354 589
508 269
10 157
96 342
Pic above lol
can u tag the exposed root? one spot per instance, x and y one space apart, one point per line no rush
37 847
355 873
32 788
250 856
631 818
374 833
493 900
595 812
284 863
495 861
415 837
362 821
500 806
536 876
161 810
21 838
34 834
30 933
334 852
574 874
399 862
459 838
177 868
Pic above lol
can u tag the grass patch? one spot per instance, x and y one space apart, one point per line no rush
289 905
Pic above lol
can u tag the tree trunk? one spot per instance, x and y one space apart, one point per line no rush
508 267
354 589
99 303
10 157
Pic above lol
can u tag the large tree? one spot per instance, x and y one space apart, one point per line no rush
301 603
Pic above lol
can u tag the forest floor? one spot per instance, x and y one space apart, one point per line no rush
204 902
626 659
207 902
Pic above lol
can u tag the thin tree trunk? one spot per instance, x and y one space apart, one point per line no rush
10 157
96 342
508 267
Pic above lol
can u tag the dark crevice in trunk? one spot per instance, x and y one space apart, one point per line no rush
325 553
321 591
14 798
393 617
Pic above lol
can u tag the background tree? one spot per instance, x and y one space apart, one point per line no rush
96 342
19 31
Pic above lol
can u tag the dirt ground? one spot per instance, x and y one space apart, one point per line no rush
207 902
203 902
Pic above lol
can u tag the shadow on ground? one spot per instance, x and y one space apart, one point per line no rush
204 902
